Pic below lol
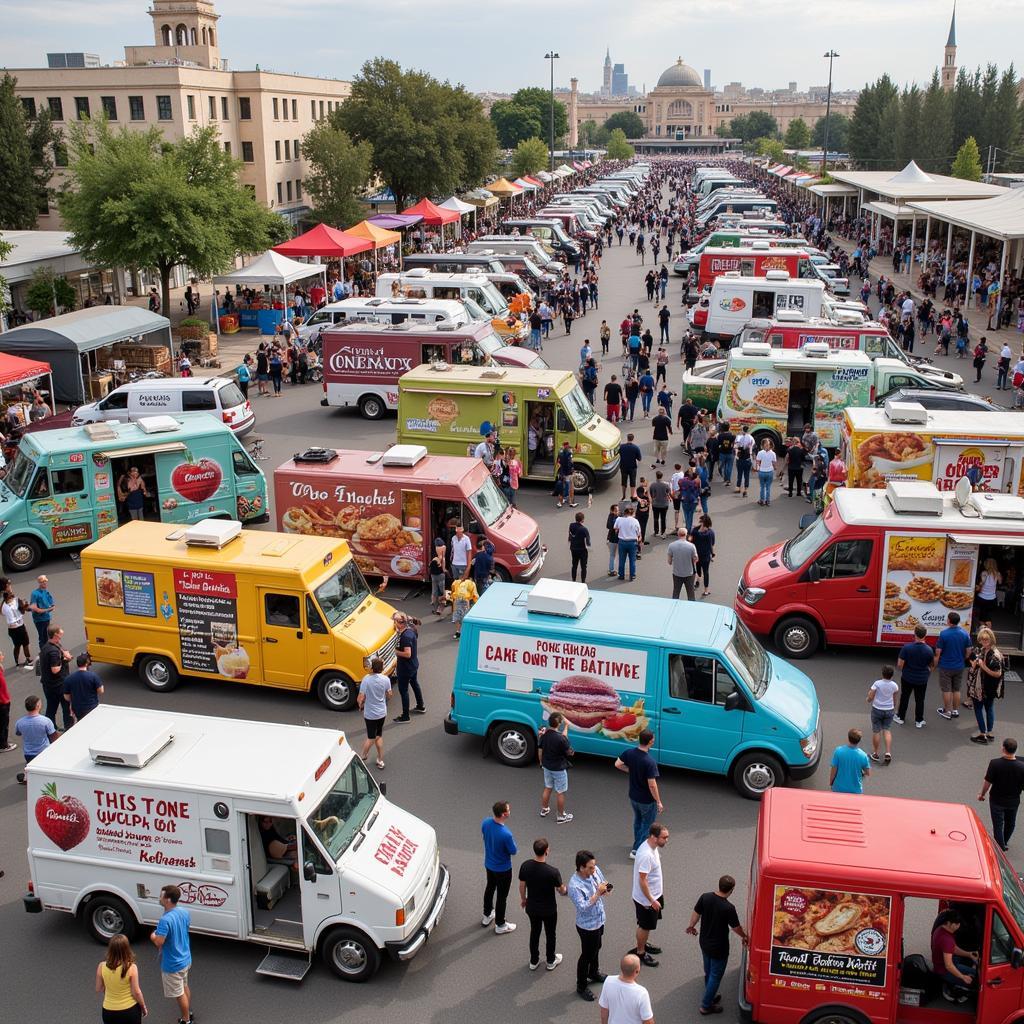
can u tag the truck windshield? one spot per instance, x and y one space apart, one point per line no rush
796 551
489 503
474 310
580 411
20 474
747 656
343 812
341 594
490 298
489 343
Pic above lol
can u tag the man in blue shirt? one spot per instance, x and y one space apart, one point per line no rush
643 787
171 938
40 604
83 688
915 664
850 765
950 655
499 849
407 668
483 564
587 889
35 729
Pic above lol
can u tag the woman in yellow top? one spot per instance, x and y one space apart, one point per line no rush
117 978
464 596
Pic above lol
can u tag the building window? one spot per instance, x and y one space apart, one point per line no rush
136 108
244 109
191 108
213 107
247 156
109 107
82 108
60 154
295 110
163 108
288 185
321 110
275 109
56 108
227 148
298 188
284 108
287 150
28 104
295 148
280 196
224 109
277 150
312 109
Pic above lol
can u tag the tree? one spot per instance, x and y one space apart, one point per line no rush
1004 120
5 295
632 124
429 138
25 162
133 199
759 124
967 112
771 148
738 128
42 290
888 132
587 130
618 148
339 169
531 155
513 123
864 140
936 138
838 133
539 99
967 164
910 127
798 135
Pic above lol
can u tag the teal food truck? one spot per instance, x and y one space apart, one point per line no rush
69 486
615 664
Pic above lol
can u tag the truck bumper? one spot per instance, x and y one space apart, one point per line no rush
451 727
607 471
32 904
408 948
805 771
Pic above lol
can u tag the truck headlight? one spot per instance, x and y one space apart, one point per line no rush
3 525
751 595
809 745
607 454
523 556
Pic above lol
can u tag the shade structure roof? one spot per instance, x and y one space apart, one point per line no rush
379 237
999 217
87 329
913 183
833 189
534 178
503 188
891 211
431 213
271 268
323 240
395 221
16 370
545 176
526 184
481 197
456 204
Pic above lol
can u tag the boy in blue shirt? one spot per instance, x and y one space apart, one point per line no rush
499 849
35 729
850 766
951 655
171 938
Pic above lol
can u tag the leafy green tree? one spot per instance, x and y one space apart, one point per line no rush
429 138
43 288
865 124
539 99
26 165
909 128
888 133
1003 121
586 132
759 124
514 122
771 148
967 110
936 137
600 136
737 128
631 123
798 135
339 170
133 199
618 148
531 155
967 164
838 133
5 295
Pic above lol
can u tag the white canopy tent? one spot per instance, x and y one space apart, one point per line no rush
461 208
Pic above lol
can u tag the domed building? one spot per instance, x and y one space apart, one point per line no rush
679 107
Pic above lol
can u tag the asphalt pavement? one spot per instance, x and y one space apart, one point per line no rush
466 973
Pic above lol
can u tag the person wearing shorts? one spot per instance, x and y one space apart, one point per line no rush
629 460
882 698
648 891
951 655
171 938
553 752
374 691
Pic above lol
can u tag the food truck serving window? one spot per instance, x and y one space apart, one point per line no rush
748 659
579 409
343 812
341 594
804 544
488 502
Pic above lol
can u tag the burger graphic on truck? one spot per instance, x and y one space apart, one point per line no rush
591 705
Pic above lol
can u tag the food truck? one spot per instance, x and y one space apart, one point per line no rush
213 602
448 408
905 441
133 799
389 506
845 892
733 300
878 563
616 664
67 486
749 261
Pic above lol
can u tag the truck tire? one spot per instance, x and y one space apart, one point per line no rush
158 673
336 691
22 553
105 916
797 637
350 954
755 772
372 407
770 435
834 1015
504 576
514 744
583 479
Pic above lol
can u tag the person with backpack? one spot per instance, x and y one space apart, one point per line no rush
244 375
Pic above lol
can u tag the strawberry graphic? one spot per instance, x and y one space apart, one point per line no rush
62 819
196 481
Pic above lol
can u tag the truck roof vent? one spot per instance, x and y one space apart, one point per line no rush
998 506
759 244
417 272
755 348
446 325
158 424
918 497
558 597
777 275
133 742
816 350
102 431
212 533
790 316
321 455
404 455
905 412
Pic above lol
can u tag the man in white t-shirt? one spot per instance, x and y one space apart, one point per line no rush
882 698
627 529
648 891
623 1000
462 550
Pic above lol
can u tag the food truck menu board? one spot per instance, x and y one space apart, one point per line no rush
208 623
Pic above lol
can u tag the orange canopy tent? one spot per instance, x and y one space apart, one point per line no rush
380 237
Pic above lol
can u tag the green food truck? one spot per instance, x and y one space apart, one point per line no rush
69 486
447 409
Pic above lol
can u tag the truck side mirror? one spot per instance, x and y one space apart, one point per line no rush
309 871
383 786
1016 958
814 572
733 701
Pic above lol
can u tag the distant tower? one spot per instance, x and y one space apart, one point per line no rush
606 81
949 56
186 30
574 113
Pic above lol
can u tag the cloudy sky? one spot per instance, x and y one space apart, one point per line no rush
767 44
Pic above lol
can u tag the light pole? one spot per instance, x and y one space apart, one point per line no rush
552 56
828 109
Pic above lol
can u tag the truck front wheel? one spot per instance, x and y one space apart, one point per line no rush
838 1016
106 916
514 744
756 772
583 479
372 407
336 691
22 554
158 673
797 637
351 955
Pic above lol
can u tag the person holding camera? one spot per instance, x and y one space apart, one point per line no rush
587 890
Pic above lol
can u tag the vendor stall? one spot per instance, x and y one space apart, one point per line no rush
263 311
20 381
379 238
462 209
433 216
504 189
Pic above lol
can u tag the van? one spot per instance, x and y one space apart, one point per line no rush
68 486
453 262
616 664
218 396
594 202
134 799
550 232
749 261
448 408
733 300
329 493
390 311
575 219
535 249
734 238
736 205
885 868
213 602
519 263
878 563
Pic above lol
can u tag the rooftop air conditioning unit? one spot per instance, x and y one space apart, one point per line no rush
212 533
558 597
404 455
914 496
816 350
777 275
133 742
905 412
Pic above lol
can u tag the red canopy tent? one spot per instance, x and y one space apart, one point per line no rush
324 241
16 371
434 215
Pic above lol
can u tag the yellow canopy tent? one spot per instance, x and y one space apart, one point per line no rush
380 237
504 189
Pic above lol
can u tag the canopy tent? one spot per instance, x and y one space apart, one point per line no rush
481 197
503 188
534 179
395 221
564 170
546 176
462 209
323 241
379 238
433 215
781 172
525 183
16 372
66 341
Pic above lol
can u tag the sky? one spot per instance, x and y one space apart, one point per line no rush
487 46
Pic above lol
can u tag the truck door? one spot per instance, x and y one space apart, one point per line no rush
68 511
1000 983
319 886
540 418
282 646
841 582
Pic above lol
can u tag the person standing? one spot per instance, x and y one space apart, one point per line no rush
796 455
41 604
612 537
483 564
951 655
462 549
682 556
613 399
629 461
276 369
14 609
407 668
985 683
1003 783
499 849
553 753
661 498
117 977
587 889
566 490
35 729
744 457
647 383
171 938
915 664
5 712
661 427
623 999
703 539
53 670
579 545
765 462
374 693
726 452
83 688
644 795
648 891
716 916
882 698
627 529
539 884
850 766
464 596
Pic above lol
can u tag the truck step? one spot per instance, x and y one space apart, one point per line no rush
278 964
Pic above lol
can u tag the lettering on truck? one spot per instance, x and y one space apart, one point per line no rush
371 361
303 489
396 851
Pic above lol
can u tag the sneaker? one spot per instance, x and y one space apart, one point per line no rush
564 819
586 994
955 714
656 950
545 811
487 919
599 978
504 929
921 724
420 710
534 964
875 757
647 960
402 718
552 964
632 854
9 747
943 713
897 719
574 504
888 758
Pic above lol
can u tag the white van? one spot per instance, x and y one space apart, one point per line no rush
535 249
735 300
421 283
379 310
131 800
219 396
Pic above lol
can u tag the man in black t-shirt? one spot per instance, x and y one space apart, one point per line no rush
538 883
553 752
662 428
1005 778
716 916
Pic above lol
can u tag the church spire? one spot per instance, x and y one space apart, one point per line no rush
951 41
948 73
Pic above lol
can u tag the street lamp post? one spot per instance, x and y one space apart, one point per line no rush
552 56
828 109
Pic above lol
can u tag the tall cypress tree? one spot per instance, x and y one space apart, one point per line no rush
936 136
20 192
908 141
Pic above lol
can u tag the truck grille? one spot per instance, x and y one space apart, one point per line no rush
387 652
534 549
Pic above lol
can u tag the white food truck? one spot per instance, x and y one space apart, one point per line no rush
130 800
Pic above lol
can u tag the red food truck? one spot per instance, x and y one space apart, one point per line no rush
391 505
751 262
845 893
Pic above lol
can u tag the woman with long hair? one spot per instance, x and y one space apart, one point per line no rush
988 583
117 977
985 684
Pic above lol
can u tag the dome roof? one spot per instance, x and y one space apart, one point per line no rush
681 74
